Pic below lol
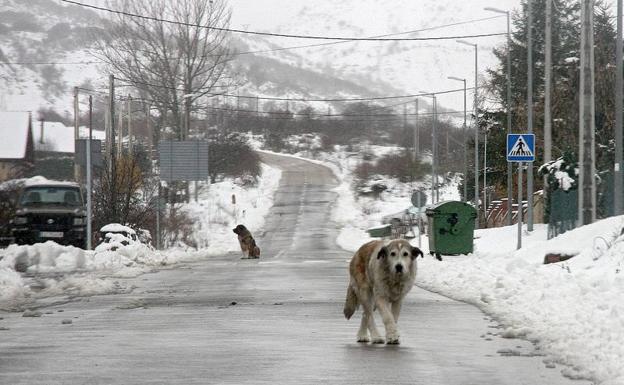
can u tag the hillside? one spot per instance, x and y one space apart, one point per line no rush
407 66
41 42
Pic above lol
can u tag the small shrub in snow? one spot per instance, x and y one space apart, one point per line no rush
562 173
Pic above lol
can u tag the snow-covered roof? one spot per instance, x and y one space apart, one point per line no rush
117 228
58 137
14 133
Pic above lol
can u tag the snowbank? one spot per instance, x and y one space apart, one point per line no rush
51 269
28 273
224 205
573 310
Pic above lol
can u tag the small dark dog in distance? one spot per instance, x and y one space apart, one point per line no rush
247 242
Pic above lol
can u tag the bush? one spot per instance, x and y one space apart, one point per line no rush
9 192
231 156
400 166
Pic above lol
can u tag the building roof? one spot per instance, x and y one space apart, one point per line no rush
14 134
59 138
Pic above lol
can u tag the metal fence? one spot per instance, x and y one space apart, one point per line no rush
563 206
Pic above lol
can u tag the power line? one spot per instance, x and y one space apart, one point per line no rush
51 63
298 99
372 37
311 37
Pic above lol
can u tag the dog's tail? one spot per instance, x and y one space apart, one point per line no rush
351 303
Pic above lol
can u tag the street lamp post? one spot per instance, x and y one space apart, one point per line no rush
435 194
464 139
530 112
476 125
509 169
619 137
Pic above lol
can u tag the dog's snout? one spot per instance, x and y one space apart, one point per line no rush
399 268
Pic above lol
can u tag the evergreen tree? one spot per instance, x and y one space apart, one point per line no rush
565 88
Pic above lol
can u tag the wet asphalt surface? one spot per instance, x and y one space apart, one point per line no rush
277 320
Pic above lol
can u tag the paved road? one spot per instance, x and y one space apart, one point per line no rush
277 320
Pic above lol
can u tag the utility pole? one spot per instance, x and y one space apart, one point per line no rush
89 204
112 160
587 152
150 136
619 179
76 133
485 132
120 130
520 206
464 138
509 167
41 129
530 113
476 120
435 146
405 121
129 112
434 142
476 126
416 132
547 93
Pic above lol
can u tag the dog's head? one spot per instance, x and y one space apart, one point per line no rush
398 256
239 229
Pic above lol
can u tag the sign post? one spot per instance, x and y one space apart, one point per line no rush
419 200
520 149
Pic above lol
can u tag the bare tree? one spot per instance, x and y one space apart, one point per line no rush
173 64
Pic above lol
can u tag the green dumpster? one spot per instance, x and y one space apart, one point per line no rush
451 228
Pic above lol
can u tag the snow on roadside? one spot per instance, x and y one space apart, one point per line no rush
216 214
28 273
573 310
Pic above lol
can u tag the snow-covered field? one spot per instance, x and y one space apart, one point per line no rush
31 273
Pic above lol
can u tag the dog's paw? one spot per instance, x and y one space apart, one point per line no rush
378 340
363 339
392 339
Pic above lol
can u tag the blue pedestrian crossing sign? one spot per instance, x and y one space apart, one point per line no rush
520 147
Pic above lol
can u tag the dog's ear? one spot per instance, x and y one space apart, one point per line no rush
416 251
383 253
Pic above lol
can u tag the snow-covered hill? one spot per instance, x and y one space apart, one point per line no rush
37 35
406 66
48 31
34 33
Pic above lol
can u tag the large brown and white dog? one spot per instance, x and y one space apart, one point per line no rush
247 242
382 273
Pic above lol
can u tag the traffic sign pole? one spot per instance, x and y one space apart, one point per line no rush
419 219
521 149
520 205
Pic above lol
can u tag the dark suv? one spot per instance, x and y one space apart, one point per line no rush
51 211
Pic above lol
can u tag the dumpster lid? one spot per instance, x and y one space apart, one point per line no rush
435 208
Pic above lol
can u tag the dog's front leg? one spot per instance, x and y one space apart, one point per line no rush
368 321
396 310
392 334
